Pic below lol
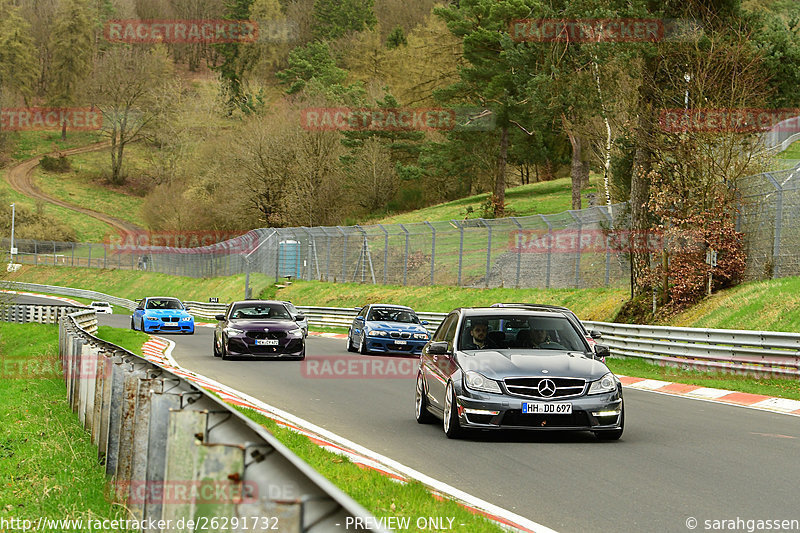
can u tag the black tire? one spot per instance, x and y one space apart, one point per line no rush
363 347
613 434
421 412
350 343
214 347
450 423
223 352
133 326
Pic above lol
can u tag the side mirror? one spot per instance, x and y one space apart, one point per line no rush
439 348
601 350
424 322
359 317
299 317
219 317
595 334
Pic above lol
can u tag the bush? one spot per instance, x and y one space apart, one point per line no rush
55 164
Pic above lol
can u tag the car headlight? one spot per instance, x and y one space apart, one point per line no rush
476 381
186 318
423 336
376 333
146 317
608 383
297 332
233 332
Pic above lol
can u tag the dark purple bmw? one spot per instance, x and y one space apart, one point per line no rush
259 328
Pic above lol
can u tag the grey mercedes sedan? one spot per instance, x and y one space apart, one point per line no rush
515 368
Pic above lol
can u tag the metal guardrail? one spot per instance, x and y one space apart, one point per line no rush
178 453
721 349
69 291
757 352
48 314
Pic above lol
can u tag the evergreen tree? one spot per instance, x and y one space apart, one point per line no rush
72 53
335 18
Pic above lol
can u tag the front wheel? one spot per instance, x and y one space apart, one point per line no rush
363 349
216 350
133 326
223 350
421 412
451 424
350 347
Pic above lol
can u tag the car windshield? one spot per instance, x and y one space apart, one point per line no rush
521 332
393 315
164 303
260 312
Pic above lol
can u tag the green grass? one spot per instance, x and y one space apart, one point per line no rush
546 197
771 305
134 284
589 304
124 338
379 494
780 387
793 152
33 143
49 466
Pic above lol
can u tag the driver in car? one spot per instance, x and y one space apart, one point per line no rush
478 337
542 340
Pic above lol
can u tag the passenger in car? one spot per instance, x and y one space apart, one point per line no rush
478 339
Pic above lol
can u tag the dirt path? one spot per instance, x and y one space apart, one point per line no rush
20 177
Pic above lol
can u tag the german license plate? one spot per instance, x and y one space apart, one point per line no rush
266 342
546 408
401 342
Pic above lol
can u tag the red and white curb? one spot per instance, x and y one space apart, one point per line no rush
159 350
695 392
59 298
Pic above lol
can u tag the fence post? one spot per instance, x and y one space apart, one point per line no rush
278 258
549 251
519 248
578 254
327 254
460 227
488 251
433 248
35 253
105 256
344 255
385 252
405 257
776 243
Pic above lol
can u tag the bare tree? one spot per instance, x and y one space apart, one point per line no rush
130 87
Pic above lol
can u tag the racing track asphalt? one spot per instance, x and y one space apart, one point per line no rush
678 457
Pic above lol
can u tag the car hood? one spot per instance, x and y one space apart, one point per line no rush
395 326
283 324
501 364
166 312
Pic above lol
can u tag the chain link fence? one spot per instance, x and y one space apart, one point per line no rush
573 249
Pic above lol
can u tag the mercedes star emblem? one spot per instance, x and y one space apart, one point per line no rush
266 329
547 388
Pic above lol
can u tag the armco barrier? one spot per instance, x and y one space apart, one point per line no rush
69 291
164 441
755 352
85 317
758 352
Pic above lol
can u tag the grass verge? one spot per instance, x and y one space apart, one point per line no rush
380 495
134 284
124 338
780 387
45 452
